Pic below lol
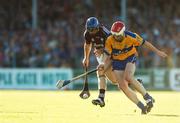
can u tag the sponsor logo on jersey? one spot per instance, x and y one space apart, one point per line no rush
102 39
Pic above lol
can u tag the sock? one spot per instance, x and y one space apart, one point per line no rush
101 94
140 105
147 96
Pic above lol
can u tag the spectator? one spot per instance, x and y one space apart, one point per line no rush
58 40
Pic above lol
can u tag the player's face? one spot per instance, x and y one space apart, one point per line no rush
93 30
118 37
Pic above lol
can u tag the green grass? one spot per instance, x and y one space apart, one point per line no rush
67 107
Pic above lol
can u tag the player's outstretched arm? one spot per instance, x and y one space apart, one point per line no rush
154 49
87 50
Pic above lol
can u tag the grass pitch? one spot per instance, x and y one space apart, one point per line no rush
68 107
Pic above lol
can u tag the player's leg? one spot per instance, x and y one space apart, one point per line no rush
110 76
102 88
130 69
129 76
123 85
101 84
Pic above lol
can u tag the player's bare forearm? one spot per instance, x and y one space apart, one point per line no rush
151 47
154 49
87 50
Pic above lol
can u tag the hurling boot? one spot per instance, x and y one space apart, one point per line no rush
99 102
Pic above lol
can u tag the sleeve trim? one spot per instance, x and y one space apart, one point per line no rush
106 52
143 42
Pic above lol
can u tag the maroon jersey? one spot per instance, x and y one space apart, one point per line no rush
98 39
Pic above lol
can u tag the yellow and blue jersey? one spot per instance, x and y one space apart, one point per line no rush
124 49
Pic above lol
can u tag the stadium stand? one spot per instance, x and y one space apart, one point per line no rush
58 40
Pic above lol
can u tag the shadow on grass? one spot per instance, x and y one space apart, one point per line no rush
165 115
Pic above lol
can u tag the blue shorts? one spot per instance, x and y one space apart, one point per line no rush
121 64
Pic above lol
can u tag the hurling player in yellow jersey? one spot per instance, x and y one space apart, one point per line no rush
120 47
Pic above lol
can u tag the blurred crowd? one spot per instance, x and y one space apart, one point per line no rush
58 39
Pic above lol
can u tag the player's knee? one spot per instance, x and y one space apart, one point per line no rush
100 72
129 78
123 85
114 82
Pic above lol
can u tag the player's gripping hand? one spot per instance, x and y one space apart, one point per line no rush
85 62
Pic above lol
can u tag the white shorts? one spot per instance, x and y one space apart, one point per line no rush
101 58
